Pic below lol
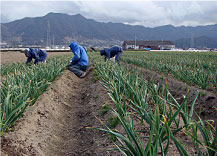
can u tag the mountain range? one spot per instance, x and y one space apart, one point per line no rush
60 29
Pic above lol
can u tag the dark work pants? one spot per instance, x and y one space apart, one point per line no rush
77 69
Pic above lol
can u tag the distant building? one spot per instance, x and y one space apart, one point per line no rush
3 45
154 45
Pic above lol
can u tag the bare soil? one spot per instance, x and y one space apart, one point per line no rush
11 56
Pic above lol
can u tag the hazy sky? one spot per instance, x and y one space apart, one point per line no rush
140 12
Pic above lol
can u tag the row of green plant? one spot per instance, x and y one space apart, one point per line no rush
22 89
151 117
11 68
194 68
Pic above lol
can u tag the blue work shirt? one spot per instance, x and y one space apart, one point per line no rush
37 54
80 55
111 52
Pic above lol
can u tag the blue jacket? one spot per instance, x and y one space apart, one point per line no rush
37 54
111 52
80 55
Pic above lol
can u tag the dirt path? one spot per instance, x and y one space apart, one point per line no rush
56 124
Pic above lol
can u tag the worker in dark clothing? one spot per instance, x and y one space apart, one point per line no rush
111 52
79 63
37 54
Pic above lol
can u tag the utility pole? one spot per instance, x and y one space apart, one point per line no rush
48 34
135 41
192 41
53 40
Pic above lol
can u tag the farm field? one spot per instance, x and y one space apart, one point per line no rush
143 112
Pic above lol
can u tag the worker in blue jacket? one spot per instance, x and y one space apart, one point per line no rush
79 63
37 54
111 52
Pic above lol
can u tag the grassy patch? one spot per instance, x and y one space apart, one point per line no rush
113 121
105 108
112 138
202 93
